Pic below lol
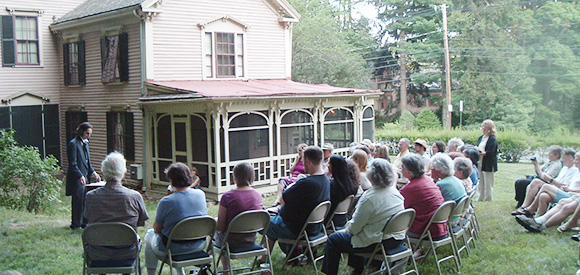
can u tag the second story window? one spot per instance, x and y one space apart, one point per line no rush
223 55
74 63
115 58
20 40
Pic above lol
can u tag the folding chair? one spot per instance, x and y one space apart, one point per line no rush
399 223
467 225
245 223
472 217
189 229
456 229
440 216
316 217
341 209
112 235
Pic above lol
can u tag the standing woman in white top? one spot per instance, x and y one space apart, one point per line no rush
487 145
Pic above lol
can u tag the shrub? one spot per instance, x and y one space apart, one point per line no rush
407 120
427 119
26 180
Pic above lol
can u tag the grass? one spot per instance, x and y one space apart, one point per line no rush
43 244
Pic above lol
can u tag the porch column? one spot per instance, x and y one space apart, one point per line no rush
358 119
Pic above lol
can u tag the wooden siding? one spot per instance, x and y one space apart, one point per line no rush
98 98
46 79
177 38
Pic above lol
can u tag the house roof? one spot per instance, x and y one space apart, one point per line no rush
92 7
96 7
245 88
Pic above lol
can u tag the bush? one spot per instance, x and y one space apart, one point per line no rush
407 120
26 180
427 119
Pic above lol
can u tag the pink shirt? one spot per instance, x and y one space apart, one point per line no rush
425 197
299 169
237 201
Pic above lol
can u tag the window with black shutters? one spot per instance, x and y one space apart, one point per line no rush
74 63
120 134
115 58
73 120
20 40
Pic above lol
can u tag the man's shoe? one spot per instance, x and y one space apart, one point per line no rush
74 227
528 223
575 237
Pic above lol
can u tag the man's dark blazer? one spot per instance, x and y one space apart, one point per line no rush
489 161
79 164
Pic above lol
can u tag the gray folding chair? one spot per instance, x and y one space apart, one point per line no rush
248 222
112 236
473 218
440 216
316 217
398 223
188 230
341 209
455 228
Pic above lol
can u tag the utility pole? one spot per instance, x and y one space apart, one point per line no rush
403 75
447 111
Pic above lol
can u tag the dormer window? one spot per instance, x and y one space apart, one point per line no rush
223 55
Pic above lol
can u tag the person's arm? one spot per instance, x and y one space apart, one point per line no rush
72 151
143 215
537 167
221 219
362 213
196 182
491 146
157 227
294 164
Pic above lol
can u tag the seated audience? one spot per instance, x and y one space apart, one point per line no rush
404 145
375 208
423 195
361 159
327 149
551 193
341 186
299 200
454 144
438 147
463 170
473 154
372 149
114 203
195 184
185 202
555 216
565 177
234 202
296 170
442 172
550 168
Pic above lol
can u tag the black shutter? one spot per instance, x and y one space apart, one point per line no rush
66 62
52 130
4 118
129 137
103 54
110 132
8 44
124 56
81 58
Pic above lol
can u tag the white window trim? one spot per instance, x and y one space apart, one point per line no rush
213 56
40 32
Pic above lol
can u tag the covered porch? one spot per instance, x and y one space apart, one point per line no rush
213 125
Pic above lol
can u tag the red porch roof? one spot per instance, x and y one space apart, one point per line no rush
252 88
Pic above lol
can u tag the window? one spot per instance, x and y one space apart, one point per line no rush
74 63
73 120
368 122
223 55
115 58
338 127
120 134
252 130
20 40
297 127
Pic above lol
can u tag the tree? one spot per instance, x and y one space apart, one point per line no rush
324 52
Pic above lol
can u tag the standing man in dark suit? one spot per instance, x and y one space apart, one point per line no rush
79 173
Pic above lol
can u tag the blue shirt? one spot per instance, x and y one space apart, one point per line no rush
452 189
474 176
176 207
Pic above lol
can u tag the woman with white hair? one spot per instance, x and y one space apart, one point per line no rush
463 170
442 172
375 207
454 144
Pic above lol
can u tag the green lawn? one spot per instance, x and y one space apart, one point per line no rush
43 244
